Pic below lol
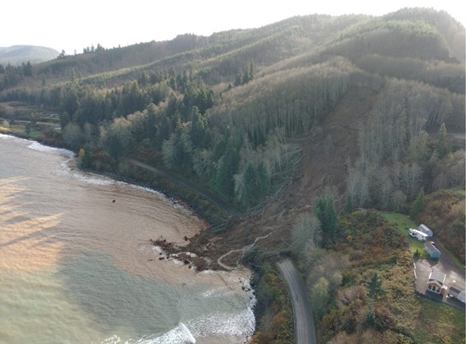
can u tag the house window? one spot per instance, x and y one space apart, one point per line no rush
433 288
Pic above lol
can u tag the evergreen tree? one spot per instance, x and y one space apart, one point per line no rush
239 79
349 204
64 119
251 193
27 69
325 212
224 182
85 157
374 289
221 146
199 131
248 74
151 122
442 141
263 180
251 71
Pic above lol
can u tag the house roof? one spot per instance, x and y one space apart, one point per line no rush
430 247
437 277
423 227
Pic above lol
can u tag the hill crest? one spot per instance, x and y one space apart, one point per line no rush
18 54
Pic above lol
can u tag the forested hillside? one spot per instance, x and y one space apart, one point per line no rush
313 112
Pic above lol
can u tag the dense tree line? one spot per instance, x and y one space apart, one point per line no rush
239 148
253 158
397 155
181 130
10 75
243 165
93 49
444 211
451 30
436 73
239 144
397 38
294 100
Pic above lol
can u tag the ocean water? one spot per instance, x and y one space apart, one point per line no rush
77 266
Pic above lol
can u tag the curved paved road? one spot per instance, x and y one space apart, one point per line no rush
303 319
203 192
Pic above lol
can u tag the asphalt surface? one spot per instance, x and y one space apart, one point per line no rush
303 319
177 179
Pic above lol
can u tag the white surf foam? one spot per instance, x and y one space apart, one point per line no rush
9 137
182 208
92 179
240 324
112 340
46 149
34 145
179 335
146 189
85 177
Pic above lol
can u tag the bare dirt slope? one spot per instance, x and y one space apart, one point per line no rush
326 151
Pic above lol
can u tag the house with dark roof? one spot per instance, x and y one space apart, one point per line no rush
431 250
436 282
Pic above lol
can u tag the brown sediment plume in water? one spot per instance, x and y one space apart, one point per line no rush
26 242
49 216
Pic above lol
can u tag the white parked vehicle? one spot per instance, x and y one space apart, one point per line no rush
457 293
417 234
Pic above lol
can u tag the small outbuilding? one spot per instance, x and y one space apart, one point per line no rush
457 293
426 230
436 281
431 250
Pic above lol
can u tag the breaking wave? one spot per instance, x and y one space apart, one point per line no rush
88 178
180 334
240 325
42 148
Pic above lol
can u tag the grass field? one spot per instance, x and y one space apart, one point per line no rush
460 192
20 129
438 323
403 223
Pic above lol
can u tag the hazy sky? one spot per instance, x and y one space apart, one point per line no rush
62 25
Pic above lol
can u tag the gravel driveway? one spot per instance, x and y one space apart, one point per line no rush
454 276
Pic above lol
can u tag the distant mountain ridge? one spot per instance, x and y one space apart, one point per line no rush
17 54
